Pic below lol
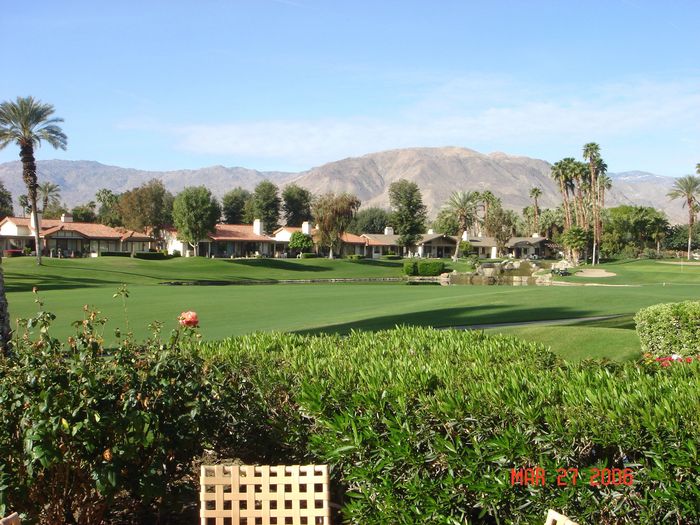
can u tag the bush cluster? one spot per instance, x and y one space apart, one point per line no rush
424 426
308 255
354 257
410 267
115 254
670 328
152 256
428 268
391 257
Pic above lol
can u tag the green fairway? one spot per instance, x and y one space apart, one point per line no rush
644 272
67 285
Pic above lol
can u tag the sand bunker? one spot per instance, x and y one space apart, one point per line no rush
684 263
590 272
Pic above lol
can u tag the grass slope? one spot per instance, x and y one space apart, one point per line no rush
67 285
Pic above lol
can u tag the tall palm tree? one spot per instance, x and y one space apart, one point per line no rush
27 122
23 201
591 152
604 184
489 200
561 175
688 189
536 193
462 205
50 194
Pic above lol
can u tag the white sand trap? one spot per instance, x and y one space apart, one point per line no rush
590 272
689 263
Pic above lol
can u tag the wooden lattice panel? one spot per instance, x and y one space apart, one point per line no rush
264 495
554 518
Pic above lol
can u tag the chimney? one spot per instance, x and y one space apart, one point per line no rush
388 230
31 220
66 217
306 228
431 231
257 227
465 235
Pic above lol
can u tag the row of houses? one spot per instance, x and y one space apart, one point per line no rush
64 237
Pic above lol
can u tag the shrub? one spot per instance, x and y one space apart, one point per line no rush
306 255
430 268
354 257
152 256
671 328
13 253
176 253
390 257
410 268
115 254
424 426
27 250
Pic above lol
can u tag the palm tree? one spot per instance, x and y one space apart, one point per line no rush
688 189
604 184
489 200
27 122
536 193
50 194
591 152
561 175
23 201
462 205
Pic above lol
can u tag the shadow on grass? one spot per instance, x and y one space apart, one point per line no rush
454 317
278 264
50 282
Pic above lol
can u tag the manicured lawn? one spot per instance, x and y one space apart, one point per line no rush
644 272
67 285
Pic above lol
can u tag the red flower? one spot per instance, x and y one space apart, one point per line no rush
188 319
688 359
665 363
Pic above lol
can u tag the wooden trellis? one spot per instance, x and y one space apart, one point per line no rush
554 518
264 495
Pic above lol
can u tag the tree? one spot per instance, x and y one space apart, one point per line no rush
6 208
561 174
24 205
409 213
195 213
50 193
501 225
688 189
296 204
462 205
370 220
108 212
266 205
147 208
233 206
27 122
536 193
85 212
301 242
333 214
488 199
591 152
575 239
54 211
446 223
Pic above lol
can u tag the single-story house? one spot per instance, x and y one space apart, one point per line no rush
351 244
382 244
71 238
227 240
518 247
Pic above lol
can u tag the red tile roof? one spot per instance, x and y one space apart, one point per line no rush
237 232
88 230
351 238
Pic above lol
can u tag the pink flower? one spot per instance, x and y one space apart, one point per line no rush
666 363
189 319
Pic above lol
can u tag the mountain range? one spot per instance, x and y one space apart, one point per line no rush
437 171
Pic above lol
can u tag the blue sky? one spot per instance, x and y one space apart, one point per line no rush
291 84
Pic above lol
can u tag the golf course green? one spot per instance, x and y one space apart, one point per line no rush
66 285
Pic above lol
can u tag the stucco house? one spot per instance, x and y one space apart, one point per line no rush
71 238
227 240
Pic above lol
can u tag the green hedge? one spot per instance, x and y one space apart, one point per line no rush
152 256
430 268
354 257
424 426
671 328
308 255
115 254
391 257
410 267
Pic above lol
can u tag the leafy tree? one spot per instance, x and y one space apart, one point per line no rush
6 208
85 212
688 189
462 205
233 206
333 214
677 237
632 228
108 212
370 220
446 223
501 225
147 208
195 213
575 239
409 213
27 122
50 193
296 204
249 211
552 222
54 211
301 242
266 205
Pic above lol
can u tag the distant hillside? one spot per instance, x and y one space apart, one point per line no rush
437 171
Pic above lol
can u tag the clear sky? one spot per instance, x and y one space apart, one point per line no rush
291 84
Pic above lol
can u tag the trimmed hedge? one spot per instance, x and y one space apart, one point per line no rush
354 257
670 328
391 257
151 256
410 267
115 254
308 255
424 426
430 268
